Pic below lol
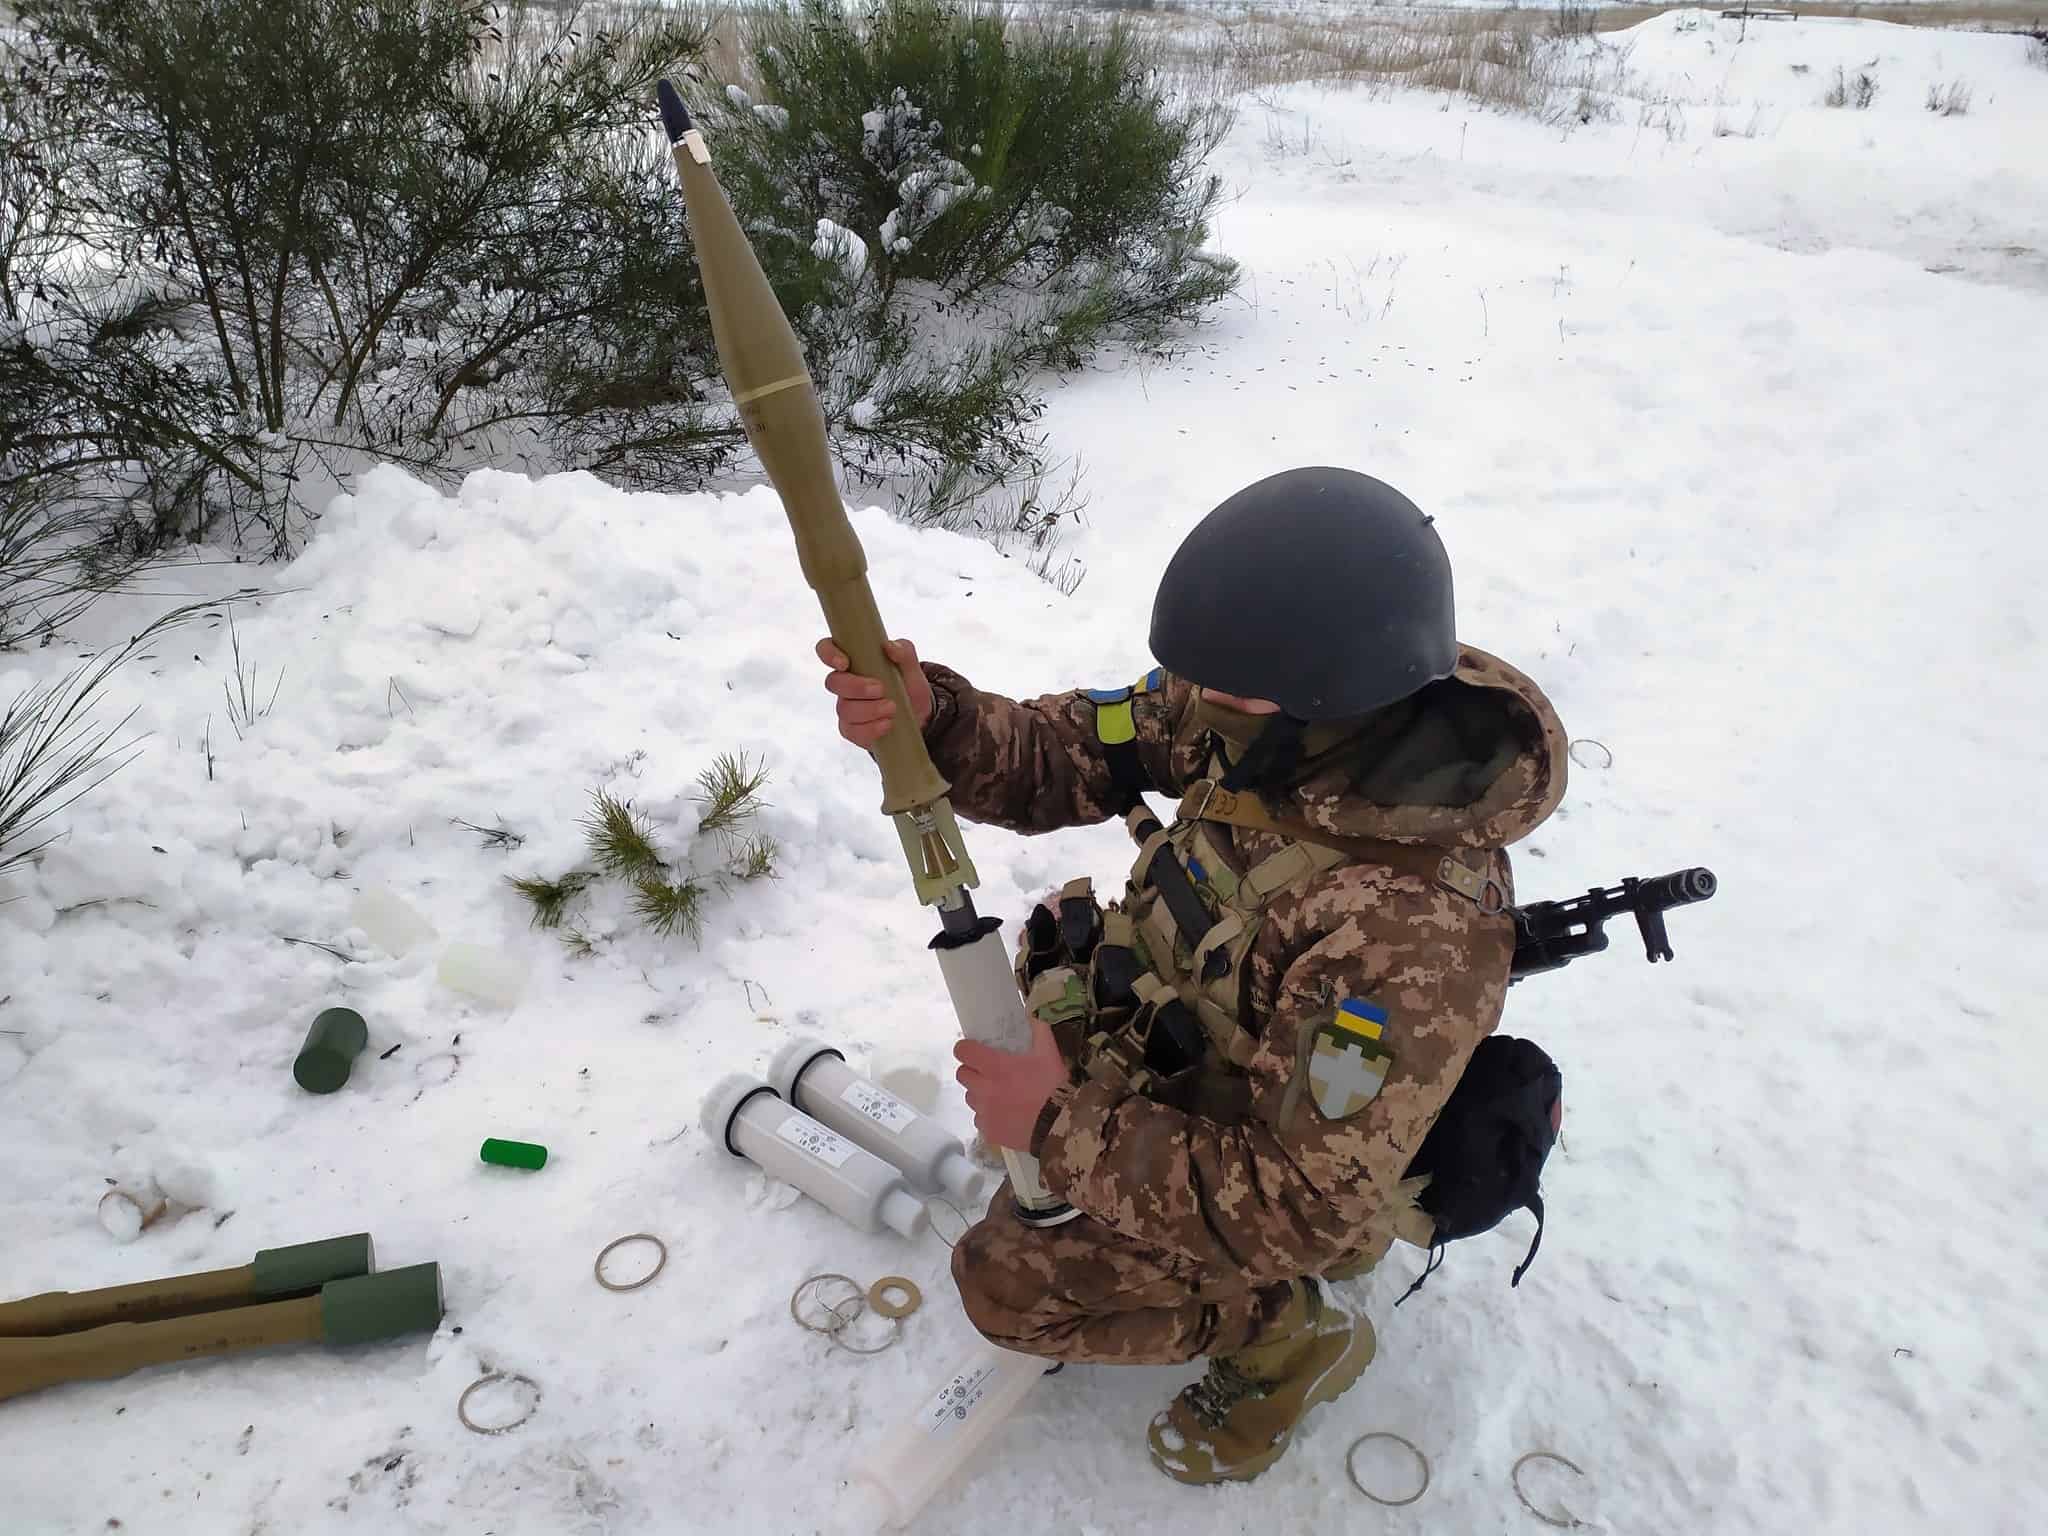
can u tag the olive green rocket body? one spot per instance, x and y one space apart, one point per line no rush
275 1274
778 404
358 1310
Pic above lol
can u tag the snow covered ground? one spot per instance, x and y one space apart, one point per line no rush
1735 442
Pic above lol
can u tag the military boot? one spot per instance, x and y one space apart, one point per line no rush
1235 1422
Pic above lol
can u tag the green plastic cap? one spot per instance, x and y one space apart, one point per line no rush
305 1267
338 1035
513 1154
372 1307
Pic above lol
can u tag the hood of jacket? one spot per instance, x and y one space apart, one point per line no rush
1477 760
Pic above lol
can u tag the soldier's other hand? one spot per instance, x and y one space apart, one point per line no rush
1007 1090
865 710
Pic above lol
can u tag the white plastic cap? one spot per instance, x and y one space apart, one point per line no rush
792 1059
961 1178
724 1101
904 1211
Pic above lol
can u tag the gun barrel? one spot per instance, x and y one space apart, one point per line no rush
1679 888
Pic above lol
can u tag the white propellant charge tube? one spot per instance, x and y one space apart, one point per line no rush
816 1079
984 993
745 1116
905 1470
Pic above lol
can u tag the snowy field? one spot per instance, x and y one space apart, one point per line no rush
1735 439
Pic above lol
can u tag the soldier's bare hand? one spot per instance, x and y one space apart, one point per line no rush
865 710
1007 1090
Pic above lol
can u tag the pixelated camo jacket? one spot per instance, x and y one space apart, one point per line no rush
1477 761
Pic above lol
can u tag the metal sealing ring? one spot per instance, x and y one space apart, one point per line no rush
895 1333
965 1223
878 1296
1515 1477
1587 741
1351 1471
858 1301
604 1253
462 1403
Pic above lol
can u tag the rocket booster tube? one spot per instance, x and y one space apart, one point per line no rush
816 1079
750 1120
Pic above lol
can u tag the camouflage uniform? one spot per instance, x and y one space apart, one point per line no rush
1195 1225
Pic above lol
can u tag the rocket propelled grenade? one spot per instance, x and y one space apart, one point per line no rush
276 1273
359 1310
778 405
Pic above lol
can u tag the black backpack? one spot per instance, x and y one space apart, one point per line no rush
1484 1154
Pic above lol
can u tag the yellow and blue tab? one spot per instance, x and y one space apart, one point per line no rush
1116 721
1359 1017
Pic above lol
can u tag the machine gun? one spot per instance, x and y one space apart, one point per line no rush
1552 934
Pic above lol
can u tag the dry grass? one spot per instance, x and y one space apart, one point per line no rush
1951 100
1509 59
1982 15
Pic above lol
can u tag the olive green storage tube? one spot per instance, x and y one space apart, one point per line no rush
336 1038
384 1306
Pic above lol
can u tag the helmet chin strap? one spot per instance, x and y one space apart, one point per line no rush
1271 757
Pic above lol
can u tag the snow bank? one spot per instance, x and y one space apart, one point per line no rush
1745 486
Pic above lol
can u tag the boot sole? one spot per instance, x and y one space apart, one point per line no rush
1342 1375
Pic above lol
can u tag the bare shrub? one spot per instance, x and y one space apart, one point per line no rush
1951 100
1845 92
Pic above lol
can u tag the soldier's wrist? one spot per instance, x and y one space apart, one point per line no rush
945 708
1055 1106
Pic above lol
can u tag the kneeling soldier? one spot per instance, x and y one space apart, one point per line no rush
1237 1061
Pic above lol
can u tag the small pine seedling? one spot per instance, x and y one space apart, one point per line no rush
666 908
579 944
551 898
732 792
755 859
621 840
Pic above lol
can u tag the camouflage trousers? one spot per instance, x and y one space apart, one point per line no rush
1083 1291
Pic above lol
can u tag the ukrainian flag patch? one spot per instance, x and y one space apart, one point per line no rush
1349 1059
1361 1017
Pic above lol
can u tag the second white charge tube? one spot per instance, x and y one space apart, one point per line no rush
748 1118
816 1079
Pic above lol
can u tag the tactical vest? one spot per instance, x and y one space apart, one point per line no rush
1149 994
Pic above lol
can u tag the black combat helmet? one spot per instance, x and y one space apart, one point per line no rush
1324 590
